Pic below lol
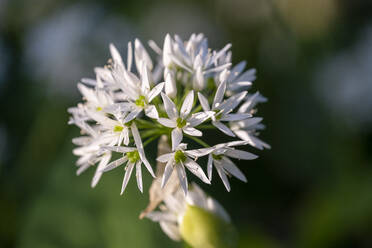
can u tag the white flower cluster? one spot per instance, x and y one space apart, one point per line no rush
191 88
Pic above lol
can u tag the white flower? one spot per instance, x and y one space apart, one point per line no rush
248 129
219 157
222 110
193 56
182 122
172 212
236 80
179 159
133 157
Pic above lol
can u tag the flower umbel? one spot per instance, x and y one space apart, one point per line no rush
188 95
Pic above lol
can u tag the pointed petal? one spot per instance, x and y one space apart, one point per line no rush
155 91
114 164
219 94
132 115
192 131
210 167
223 177
203 102
223 128
169 106
187 105
196 170
139 175
127 174
165 157
182 177
129 56
198 118
151 112
230 167
235 117
167 172
176 137
97 175
170 86
167 122
239 154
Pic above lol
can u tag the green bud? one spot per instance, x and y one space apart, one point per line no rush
203 229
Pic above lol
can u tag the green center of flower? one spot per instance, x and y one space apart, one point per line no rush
118 128
218 115
179 156
99 109
141 101
133 156
180 122
217 157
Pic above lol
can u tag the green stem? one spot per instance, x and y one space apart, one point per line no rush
197 140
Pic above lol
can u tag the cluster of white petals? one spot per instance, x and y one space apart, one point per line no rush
189 89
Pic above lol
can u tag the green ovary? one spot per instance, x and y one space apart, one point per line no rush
133 156
217 157
118 128
180 122
141 101
179 156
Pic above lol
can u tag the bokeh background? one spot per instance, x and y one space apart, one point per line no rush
314 62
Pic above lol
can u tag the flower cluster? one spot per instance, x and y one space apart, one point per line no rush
190 89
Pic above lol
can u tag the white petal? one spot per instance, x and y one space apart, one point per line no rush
223 177
235 117
176 137
182 177
204 102
167 122
171 229
169 106
230 167
132 115
197 153
223 128
187 105
154 47
151 112
192 131
139 145
167 172
122 149
127 174
115 54
139 175
165 157
232 102
198 82
167 50
102 164
116 163
196 170
219 94
239 154
198 118
141 55
145 82
210 167
129 56
170 86
155 91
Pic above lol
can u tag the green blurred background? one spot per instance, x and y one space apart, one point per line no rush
314 62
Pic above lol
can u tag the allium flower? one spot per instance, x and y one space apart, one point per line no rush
125 110
179 159
197 219
182 122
